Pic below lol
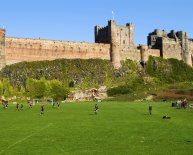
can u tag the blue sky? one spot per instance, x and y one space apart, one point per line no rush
74 20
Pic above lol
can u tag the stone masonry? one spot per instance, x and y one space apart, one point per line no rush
113 42
172 45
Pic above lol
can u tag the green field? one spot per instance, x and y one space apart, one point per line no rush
118 129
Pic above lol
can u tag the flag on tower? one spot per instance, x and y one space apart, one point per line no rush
113 14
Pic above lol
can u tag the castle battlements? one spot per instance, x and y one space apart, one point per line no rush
112 42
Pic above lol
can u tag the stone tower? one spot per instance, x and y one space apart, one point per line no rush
2 48
120 38
130 27
115 46
186 54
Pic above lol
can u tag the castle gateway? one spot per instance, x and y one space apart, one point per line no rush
114 43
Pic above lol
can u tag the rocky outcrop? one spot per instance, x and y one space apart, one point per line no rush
88 95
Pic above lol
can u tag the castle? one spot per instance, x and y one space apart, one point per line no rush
114 43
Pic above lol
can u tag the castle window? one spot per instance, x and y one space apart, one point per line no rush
123 41
154 39
117 34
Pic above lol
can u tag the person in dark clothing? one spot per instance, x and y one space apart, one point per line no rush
42 109
150 109
58 104
53 103
21 106
6 104
96 109
17 106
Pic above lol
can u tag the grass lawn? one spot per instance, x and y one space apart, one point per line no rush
118 129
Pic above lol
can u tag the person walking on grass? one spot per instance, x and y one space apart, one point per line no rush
42 109
150 109
58 104
17 106
21 106
96 109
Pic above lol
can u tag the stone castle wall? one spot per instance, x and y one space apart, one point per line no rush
172 45
18 49
113 42
132 54
145 52
171 49
191 45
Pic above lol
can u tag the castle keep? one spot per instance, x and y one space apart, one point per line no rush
113 42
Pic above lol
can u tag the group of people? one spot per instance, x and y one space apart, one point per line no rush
19 106
57 103
181 104
29 102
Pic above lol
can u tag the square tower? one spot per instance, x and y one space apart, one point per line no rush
123 34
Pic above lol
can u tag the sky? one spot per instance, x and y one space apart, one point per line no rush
74 20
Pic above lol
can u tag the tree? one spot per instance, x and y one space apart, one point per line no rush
5 88
36 88
58 91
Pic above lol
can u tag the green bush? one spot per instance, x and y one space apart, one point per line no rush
46 88
133 85
169 70
5 88
36 88
71 84
58 91
119 90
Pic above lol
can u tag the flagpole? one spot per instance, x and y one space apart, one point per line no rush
113 15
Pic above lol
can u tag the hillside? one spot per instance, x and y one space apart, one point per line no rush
84 73
131 79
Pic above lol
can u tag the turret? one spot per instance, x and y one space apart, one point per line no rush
2 48
115 47
187 56
96 29
144 53
131 34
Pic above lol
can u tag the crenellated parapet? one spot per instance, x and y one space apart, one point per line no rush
112 42
24 49
121 39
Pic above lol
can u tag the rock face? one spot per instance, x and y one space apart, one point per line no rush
88 95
